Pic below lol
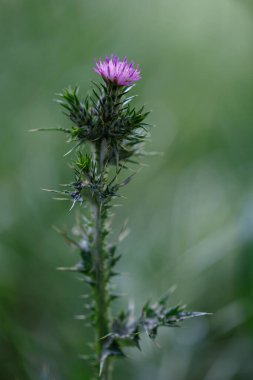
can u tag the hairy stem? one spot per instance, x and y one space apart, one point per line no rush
102 320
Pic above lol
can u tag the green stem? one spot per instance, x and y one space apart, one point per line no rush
102 321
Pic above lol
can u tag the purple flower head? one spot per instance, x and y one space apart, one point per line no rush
122 73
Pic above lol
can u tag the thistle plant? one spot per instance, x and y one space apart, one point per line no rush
107 134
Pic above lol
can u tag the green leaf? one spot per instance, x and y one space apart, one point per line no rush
158 314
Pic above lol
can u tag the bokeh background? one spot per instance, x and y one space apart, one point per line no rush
190 210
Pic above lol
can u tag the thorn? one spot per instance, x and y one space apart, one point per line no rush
66 269
84 357
85 296
80 317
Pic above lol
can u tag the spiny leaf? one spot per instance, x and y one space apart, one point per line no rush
59 129
158 314
110 348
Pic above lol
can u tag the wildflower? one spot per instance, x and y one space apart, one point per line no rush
122 73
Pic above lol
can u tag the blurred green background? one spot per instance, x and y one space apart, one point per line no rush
190 211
